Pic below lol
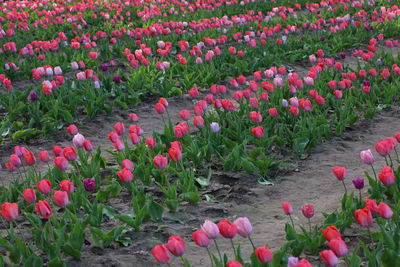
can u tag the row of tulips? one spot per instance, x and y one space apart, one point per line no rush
379 244
52 95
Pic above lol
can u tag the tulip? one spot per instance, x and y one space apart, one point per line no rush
292 261
258 132
60 198
273 112
78 140
29 159
214 126
125 175
384 211
15 160
44 186
370 204
364 217
9 211
234 264
161 162
89 184
210 229
185 115
150 142
67 186
175 154
331 232
338 246
33 96
176 246
227 229
134 117
61 163
44 156
198 121
329 258
126 163
160 108
117 79
43 208
341 174
29 195
72 129
87 145
119 128
244 227
57 151
308 211
387 176
113 136
264 254
70 153
200 238
160 253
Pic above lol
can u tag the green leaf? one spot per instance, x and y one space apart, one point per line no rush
76 254
263 181
300 145
155 211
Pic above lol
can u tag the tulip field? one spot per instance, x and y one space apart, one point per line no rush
200 133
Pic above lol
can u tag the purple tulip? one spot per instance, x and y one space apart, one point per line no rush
89 184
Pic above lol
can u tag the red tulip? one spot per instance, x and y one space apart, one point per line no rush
387 176
177 145
113 136
43 208
160 108
185 115
161 162
9 211
364 217
67 186
331 232
303 263
264 254
126 163
10 167
176 246
61 163
160 253
119 128
44 156
329 258
258 131
340 173
234 264
29 195
385 211
87 145
308 211
125 175
60 198
70 153
44 186
200 239
175 154
287 208
134 138
29 159
273 112
370 204
15 160
151 142
93 55
338 246
227 229
72 129
198 121
57 150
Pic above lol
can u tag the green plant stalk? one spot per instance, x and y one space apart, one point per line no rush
233 247
209 254
219 252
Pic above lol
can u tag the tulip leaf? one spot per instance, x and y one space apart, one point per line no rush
76 254
262 181
155 211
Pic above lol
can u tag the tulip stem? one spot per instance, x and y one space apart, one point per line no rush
387 163
391 161
251 241
373 169
291 219
209 254
233 247
372 240
309 225
397 155
183 261
219 252
360 196
345 189
168 264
